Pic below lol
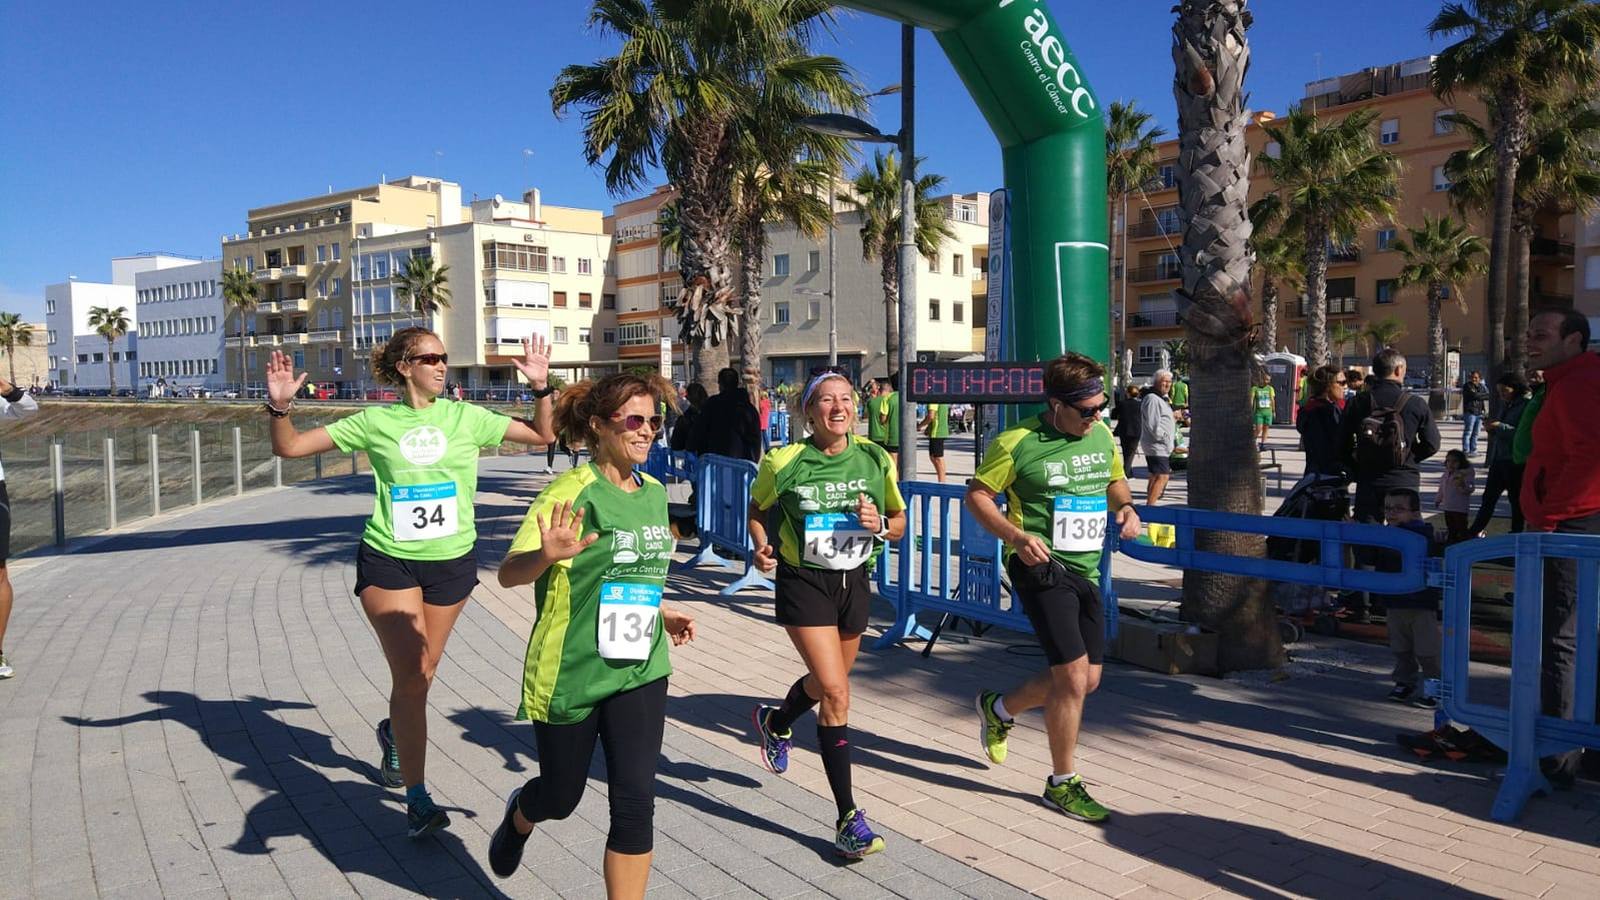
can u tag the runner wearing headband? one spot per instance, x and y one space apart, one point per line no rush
417 560
837 503
1061 474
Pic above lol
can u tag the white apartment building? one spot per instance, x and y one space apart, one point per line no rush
180 320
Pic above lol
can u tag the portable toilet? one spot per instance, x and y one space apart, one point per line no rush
1285 370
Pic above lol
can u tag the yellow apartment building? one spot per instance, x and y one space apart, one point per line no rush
646 282
1363 267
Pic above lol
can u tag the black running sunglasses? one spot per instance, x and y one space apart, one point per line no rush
429 359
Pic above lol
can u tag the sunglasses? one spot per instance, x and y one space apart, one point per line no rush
1341 381
429 359
636 422
1087 412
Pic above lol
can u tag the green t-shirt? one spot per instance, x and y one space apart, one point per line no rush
1180 392
816 497
1261 397
1055 487
1522 441
940 426
891 435
878 418
425 466
564 674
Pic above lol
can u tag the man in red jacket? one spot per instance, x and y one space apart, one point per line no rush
1561 493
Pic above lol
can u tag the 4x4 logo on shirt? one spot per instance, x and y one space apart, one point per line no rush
423 445
1055 473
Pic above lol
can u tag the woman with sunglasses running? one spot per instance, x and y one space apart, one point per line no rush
417 560
837 503
596 544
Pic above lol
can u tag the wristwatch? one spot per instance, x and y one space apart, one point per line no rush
544 392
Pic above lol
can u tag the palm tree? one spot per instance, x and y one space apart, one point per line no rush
110 323
671 98
1281 262
240 296
1131 158
1559 169
669 227
1385 332
1329 179
1511 51
425 285
875 193
1211 53
14 333
1342 335
1441 256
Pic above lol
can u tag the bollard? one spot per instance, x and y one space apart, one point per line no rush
319 465
277 471
155 475
194 453
353 467
58 484
111 482
238 462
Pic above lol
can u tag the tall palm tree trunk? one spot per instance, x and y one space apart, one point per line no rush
1509 141
889 269
1269 315
1211 55
704 257
1435 349
111 367
1316 295
752 253
242 375
1517 310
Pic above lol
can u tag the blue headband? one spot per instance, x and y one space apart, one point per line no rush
811 386
1084 391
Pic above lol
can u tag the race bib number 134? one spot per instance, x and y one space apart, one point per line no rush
627 620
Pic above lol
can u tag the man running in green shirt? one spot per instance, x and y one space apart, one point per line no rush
936 425
1062 477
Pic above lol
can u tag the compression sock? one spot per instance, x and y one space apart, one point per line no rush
416 792
794 706
834 742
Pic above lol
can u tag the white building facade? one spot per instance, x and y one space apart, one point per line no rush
77 354
180 321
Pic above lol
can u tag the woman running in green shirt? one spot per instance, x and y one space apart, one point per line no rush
417 560
596 544
837 502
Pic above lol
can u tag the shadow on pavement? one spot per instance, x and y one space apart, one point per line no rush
320 540
355 824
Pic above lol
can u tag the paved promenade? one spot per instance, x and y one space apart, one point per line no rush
194 706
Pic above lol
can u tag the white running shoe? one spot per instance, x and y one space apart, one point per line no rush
5 668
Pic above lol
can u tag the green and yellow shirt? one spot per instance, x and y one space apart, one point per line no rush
816 497
1055 487
1261 399
608 596
878 418
939 427
891 432
425 466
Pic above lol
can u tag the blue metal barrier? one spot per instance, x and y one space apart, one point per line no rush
778 427
1519 727
722 490
669 466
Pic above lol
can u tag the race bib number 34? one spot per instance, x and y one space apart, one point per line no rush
627 619
423 512
1079 525
836 541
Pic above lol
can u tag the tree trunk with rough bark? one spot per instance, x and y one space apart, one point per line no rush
1436 349
1509 140
889 269
111 367
1269 315
1316 294
242 375
1211 55
752 251
1517 288
707 314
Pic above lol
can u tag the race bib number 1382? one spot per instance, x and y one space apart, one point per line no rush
1079 524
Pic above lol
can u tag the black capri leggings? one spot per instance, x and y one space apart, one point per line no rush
629 726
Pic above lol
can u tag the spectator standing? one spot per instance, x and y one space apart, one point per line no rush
728 424
1505 473
1413 619
1355 382
1319 423
1561 493
1386 433
764 407
936 424
14 404
1126 412
1158 434
1454 496
695 396
1262 398
1474 403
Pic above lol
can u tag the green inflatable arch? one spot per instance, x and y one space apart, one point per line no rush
1016 64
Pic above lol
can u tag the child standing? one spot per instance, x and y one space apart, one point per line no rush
1455 488
1413 619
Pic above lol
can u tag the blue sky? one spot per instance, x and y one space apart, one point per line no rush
133 127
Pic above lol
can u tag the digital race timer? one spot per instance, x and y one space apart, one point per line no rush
977 382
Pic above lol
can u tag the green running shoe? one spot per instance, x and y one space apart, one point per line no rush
389 765
1073 799
992 729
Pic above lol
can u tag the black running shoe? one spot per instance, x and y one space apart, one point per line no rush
424 817
505 845
389 765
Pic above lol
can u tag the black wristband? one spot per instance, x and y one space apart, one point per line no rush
15 395
543 392
277 413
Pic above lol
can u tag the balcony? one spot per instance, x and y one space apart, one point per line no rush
1157 272
1155 228
1550 248
1337 306
234 341
670 291
276 273
273 307
634 233
1157 319
325 336
1340 254
293 337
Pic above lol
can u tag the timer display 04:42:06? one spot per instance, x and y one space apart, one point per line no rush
977 382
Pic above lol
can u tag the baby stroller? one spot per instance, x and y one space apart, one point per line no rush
1326 499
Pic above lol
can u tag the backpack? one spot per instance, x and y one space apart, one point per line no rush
1381 437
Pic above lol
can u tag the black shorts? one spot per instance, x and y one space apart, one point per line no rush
444 582
936 447
5 524
823 597
892 448
1064 608
1158 465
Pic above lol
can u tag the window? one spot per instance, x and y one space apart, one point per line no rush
585 336
1385 238
336 256
958 264
780 264
1150 351
813 261
780 313
322 319
299 359
608 336
322 287
585 301
1441 181
1168 174
933 263
585 266
608 301
338 286
558 334
1385 290
1389 131
338 317
322 357
933 309
338 357
1442 125
250 263
966 212
558 265
322 253
813 310
517 257
560 301
958 311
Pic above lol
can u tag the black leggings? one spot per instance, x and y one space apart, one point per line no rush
629 727
1505 477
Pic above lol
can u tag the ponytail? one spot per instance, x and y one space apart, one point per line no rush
590 399
387 357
